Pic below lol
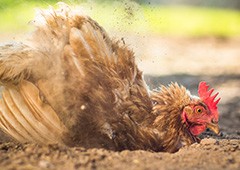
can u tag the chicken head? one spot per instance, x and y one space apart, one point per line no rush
202 112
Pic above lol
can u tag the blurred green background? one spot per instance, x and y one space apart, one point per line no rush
220 18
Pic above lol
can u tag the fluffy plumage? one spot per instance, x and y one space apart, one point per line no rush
74 85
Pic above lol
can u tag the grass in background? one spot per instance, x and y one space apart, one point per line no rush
15 15
192 21
132 18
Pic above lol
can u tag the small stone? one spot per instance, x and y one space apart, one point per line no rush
45 164
208 141
124 153
83 160
136 161
195 145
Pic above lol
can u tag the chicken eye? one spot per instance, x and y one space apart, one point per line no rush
199 110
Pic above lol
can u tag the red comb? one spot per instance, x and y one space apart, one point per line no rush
206 97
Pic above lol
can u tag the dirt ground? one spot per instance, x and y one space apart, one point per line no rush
163 60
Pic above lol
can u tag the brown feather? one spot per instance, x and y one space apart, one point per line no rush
27 118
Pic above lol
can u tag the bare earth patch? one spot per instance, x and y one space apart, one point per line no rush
163 60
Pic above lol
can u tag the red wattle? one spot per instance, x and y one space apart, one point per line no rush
197 129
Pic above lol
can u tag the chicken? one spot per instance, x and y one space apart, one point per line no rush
74 85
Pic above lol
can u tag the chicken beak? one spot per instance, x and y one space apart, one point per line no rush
214 127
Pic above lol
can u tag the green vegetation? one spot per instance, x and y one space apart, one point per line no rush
194 21
130 17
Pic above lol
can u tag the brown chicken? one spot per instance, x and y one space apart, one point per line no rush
72 84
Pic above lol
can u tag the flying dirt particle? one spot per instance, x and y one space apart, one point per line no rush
83 107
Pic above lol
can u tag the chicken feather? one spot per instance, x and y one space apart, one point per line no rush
26 117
